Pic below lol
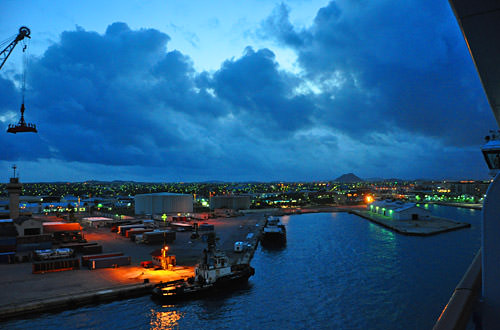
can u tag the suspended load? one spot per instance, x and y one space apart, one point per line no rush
22 126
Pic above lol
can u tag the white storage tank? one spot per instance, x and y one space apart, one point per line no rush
160 203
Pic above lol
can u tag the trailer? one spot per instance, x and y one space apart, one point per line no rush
156 237
57 265
122 230
181 226
78 247
52 254
134 231
110 262
86 259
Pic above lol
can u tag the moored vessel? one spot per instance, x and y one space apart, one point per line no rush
274 233
213 274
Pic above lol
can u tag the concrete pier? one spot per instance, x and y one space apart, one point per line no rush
429 227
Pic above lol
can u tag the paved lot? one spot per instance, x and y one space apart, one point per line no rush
18 285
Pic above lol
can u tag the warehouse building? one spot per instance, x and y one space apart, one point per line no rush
163 203
233 202
398 210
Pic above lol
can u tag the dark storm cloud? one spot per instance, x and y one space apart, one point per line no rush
389 64
381 83
122 98
254 85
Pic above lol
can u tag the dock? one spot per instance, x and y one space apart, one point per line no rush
71 301
253 243
433 226
27 294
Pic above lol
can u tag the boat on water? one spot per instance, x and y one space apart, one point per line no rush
213 274
274 233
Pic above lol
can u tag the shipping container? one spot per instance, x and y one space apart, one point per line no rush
109 262
87 258
154 237
123 229
55 265
135 231
130 231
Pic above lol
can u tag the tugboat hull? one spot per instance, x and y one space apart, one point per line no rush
182 290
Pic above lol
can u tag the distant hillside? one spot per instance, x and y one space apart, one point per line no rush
348 178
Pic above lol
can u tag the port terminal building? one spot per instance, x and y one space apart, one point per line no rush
399 210
163 203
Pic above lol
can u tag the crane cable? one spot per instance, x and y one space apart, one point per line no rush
25 66
7 41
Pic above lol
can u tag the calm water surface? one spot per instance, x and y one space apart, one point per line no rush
338 271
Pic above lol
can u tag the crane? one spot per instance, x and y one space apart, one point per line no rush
21 126
24 32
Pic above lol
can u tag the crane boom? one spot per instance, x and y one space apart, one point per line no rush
24 32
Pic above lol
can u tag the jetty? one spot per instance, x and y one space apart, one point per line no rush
421 227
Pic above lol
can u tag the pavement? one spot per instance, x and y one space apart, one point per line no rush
19 286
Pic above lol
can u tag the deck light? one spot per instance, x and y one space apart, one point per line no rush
491 151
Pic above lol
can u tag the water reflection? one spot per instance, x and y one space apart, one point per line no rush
381 234
285 219
166 319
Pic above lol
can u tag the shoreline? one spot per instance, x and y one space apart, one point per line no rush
27 294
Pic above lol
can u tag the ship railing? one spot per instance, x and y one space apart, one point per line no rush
171 283
458 312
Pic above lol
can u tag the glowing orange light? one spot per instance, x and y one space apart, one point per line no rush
368 199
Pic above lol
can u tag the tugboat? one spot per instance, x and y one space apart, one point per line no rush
213 274
274 234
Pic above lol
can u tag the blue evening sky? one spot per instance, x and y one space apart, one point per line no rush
242 90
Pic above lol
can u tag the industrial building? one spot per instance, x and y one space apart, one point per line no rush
234 202
26 226
399 210
163 203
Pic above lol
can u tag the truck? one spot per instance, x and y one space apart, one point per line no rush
51 254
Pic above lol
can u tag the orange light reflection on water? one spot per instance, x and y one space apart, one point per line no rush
167 319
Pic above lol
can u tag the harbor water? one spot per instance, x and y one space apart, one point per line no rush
337 271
